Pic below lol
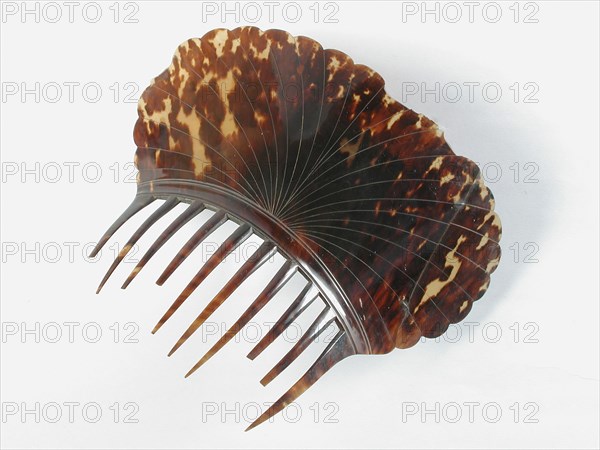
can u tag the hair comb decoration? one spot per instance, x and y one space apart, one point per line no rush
394 234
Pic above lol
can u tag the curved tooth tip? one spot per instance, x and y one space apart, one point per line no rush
196 367
131 276
338 349
251 426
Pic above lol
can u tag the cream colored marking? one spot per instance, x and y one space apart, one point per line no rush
484 192
265 53
141 104
228 126
467 184
184 77
457 197
334 63
194 124
219 41
332 67
418 125
394 119
463 306
160 115
148 124
495 222
260 119
484 240
350 149
399 175
484 286
436 286
492 264
234 45
436 164
445 179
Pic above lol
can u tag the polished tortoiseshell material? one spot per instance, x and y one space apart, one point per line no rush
394 233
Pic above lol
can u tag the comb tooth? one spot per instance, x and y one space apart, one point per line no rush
338 349
167 206
192 211
266 250
216 220
308 295
230 244
320 324
139 203
277 282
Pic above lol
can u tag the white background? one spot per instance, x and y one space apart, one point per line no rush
547 372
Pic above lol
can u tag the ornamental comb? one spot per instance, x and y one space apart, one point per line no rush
394 234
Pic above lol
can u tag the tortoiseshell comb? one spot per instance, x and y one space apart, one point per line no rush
394 233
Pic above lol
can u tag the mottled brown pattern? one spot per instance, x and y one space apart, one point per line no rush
342 176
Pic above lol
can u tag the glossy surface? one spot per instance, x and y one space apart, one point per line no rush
393 232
